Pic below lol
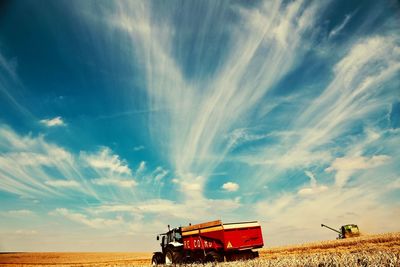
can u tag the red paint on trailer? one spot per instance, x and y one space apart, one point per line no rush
229 237
243 238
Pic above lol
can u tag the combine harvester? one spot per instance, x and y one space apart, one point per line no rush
209 242
346 231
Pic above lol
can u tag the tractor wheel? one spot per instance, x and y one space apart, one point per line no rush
214 256
173 257
157 259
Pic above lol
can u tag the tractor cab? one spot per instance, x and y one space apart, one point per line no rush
171 247
172 237
349 230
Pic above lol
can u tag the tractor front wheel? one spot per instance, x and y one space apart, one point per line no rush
173 257
157 259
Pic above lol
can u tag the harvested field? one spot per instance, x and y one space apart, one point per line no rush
75 259
370 250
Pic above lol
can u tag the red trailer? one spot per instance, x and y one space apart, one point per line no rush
210 241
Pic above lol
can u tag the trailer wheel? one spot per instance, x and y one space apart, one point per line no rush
158 258
173 257
255 254
214 256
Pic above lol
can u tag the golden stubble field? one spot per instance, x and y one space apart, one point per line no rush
368 250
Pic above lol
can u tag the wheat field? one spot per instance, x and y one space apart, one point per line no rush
368 250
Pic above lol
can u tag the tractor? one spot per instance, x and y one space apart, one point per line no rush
209 242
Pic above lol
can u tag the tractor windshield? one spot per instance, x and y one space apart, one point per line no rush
178 236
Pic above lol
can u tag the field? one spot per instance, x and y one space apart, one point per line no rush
370 250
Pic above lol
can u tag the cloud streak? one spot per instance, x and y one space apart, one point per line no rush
30 167
105 160
114 182
54 122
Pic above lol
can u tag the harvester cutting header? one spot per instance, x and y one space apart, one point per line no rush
209 242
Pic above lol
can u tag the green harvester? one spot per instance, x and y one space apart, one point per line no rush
345 231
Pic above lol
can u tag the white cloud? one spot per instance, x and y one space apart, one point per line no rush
28 165
62 183
346 166
242 135
113 208
106 160
340 27
169 210
25 162
114 182
191 187
357 163
314 188
359 77
10 83
159 173
138 148
195 128
57 121
230 187
141 168
97 223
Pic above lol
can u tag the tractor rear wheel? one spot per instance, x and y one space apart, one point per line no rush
214 256
173 257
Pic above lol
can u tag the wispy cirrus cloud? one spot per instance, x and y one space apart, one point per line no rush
62 183
270 43
273 32
10 83
314 188
31 166
359 77
114 182
22 212
138 148
141 168
168 209
346 166
96 223
25 232
340 27
105 160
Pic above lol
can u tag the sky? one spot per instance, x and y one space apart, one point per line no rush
118 118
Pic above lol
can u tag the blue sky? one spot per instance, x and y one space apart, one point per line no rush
118 118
